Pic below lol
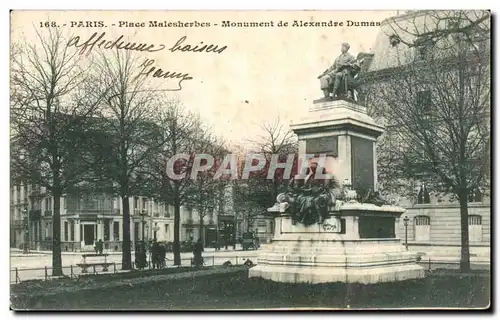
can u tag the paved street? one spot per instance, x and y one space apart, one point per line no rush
212 257
41 260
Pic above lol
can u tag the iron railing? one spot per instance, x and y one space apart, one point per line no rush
18 275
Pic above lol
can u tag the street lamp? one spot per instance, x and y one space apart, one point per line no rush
143 214
26 230
405 222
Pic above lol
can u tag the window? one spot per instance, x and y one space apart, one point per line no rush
72 231
423 195
106 230
422 228
48 231
475 196
136 231
342 226
189 234
424 102
90 203
136 202
166 228
144 203
475 228
65 230
48 204
116 231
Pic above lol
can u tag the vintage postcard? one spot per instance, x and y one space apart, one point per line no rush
232 160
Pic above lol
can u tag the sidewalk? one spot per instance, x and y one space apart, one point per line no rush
14 252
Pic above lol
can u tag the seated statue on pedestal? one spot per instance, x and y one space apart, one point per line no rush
341 80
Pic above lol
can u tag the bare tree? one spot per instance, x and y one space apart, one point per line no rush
254 195
246 202
204 192
437 104
180 129
133 136
50 119
276 139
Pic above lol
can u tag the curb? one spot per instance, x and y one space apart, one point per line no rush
17 253
28 255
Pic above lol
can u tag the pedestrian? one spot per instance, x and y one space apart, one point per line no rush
155 253
163 253
197 257
143 255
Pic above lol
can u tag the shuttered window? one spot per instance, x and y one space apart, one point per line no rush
422 228
475 228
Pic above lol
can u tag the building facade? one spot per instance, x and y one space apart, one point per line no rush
433 216
89 218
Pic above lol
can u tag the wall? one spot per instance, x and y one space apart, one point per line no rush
445 223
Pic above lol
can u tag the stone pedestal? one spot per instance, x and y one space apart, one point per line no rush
358 243
346 248
345 133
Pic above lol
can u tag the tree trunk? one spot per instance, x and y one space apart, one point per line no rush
464 228
201 233
126 250
56 237
177 222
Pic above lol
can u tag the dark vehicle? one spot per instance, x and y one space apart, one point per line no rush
250 241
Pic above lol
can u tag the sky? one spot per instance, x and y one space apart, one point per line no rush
262 74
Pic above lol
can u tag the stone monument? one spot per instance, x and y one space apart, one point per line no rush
354 238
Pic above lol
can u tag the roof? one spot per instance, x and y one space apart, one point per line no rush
406 27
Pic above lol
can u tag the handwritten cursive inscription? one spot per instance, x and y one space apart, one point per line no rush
118 43
197 48
98 40
147 69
